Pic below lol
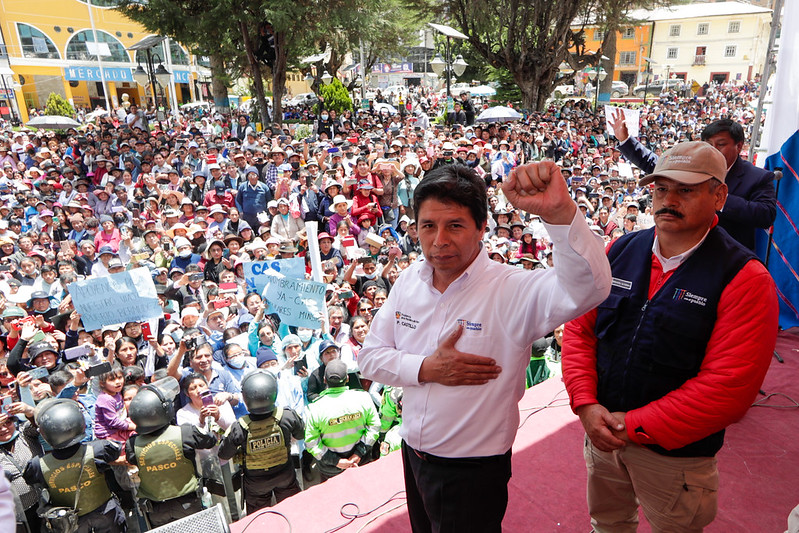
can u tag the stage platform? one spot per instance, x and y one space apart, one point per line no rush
759 467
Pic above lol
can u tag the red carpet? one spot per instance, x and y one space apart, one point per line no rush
759 467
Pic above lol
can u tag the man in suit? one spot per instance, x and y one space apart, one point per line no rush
751 201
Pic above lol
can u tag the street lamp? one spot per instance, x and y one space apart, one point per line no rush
649 63
327 79
152 76
594 74
446 64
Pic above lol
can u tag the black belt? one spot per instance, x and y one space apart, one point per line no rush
458 461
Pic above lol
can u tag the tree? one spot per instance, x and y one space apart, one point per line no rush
336 97
203 26
530 38
57 105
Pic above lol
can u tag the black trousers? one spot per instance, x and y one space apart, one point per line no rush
456 495
258 489
170 510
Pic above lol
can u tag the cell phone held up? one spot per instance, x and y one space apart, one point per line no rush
207 398
146 332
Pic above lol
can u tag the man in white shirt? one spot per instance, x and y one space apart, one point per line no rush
456 333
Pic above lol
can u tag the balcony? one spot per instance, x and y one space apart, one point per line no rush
699 60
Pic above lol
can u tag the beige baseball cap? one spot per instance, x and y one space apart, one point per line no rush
691 163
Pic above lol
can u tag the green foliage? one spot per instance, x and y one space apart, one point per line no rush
507 91
336 97
57 105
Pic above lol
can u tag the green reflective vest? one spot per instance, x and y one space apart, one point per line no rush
339 419
61 477
266 447
164 471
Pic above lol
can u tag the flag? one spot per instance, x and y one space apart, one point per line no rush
781 142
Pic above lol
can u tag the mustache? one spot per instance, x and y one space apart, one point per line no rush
667 211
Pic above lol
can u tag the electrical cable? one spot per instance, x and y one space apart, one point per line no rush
762 402
540 408
351 517
375 517
267 511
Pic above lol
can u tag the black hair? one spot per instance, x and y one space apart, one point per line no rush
133 373
186 382
735 130
455 184
125 340
59 379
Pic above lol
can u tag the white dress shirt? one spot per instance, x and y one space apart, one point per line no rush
504 309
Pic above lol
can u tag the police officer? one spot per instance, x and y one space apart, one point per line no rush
62 426
262 442
343 424
390 420
165 454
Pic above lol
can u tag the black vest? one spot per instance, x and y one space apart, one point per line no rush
648 348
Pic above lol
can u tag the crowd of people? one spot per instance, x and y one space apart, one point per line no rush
193 201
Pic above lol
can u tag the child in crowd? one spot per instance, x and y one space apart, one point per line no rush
112 420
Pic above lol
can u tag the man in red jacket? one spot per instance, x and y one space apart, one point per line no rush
673 356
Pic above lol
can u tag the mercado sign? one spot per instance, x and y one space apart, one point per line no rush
93 74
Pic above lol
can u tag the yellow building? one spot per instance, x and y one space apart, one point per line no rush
633 43
49 46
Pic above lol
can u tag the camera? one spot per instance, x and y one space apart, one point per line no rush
90 361
191 343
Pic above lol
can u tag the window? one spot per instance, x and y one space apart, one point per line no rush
36 44
179 57
628 33
702 28
83 48
734 26
671 53
729 51
627 58
599 35
674 30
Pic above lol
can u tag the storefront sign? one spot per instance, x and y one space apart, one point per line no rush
393 68
93 74
182 76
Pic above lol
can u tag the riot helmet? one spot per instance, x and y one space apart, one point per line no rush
259 391
151 408
60 422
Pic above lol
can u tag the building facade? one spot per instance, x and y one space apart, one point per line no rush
705 42
701 42
49 46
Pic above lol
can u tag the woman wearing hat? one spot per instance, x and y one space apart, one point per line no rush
109 234
215 261
284 225
365 202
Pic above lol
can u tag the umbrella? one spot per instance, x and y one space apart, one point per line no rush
97 113
482 90
499 114
388 107
53 122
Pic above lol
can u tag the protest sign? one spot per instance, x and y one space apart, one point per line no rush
124 297
256 272
297 302
632 118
